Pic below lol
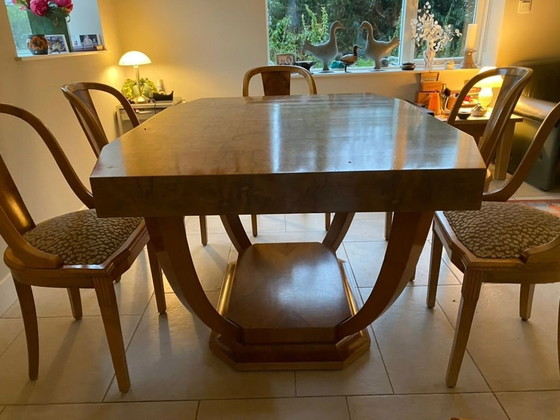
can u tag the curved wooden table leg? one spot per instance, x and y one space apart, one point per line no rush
169 238
408 235
337 230
236 232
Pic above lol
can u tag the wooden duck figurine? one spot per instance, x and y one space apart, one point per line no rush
374 49
328 50
349 59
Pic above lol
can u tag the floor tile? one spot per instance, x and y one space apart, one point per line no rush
74 363
426 407
512 354
415 342
7 294
169 359
366 259
9 330
531 405
366 375
275 409
173 410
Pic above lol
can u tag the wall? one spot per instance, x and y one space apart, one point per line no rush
529 36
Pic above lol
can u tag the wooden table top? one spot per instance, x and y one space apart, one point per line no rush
342 152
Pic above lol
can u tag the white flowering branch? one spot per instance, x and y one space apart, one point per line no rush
427 30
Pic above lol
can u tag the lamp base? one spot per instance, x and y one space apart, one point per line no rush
141 99
468 61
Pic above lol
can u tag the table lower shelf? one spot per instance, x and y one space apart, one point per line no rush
288 300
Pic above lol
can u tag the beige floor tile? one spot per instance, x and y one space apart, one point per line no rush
426 407
366 259
415 343
9 330
366 230
513 355
7 294
74 363
179 410
531 405
366 375
133 293
306 222
275 409
169 359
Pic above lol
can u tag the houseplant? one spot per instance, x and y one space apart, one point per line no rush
428 32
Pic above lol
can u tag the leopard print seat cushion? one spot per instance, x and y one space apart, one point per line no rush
81 237
503 230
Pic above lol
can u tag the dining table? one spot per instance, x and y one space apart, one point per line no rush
289 305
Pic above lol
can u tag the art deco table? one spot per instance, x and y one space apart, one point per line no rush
289 305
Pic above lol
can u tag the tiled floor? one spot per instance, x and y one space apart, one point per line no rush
511 370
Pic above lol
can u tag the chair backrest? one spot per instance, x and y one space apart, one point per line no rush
15 218
79 96
514 80
506 190
276 80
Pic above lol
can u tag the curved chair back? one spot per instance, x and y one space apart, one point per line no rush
514 80
15 218
79 96
276 80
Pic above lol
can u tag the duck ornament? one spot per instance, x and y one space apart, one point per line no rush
328 50
349 59
375 49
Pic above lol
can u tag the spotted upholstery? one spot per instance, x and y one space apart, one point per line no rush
81 237
503 230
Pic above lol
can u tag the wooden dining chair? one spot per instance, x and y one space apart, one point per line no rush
514 80
72 251
81 101
503 242
276 80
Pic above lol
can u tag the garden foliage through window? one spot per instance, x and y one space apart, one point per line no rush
292 22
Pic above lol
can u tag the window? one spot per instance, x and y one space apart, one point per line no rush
68 26
292 22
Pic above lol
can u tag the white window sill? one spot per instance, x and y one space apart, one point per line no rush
361 71
49 56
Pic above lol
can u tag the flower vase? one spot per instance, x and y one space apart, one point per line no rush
429 56
47 26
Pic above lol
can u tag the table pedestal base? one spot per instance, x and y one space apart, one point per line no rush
288 300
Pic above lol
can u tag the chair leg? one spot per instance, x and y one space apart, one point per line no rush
558 338
388 223
254 225
110 314
470 293
327 221
526 301
75 302
29 315
433 274
157 278
203 231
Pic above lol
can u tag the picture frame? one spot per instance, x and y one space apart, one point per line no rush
90 42
57 44
286 59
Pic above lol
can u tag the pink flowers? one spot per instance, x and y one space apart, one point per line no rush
45 7
39 7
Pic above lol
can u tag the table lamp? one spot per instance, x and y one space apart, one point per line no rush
136 59
486 86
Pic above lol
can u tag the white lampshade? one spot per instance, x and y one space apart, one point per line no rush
486 94
134 58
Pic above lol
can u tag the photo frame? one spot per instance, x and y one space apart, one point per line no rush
57 44
286 59
90 42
